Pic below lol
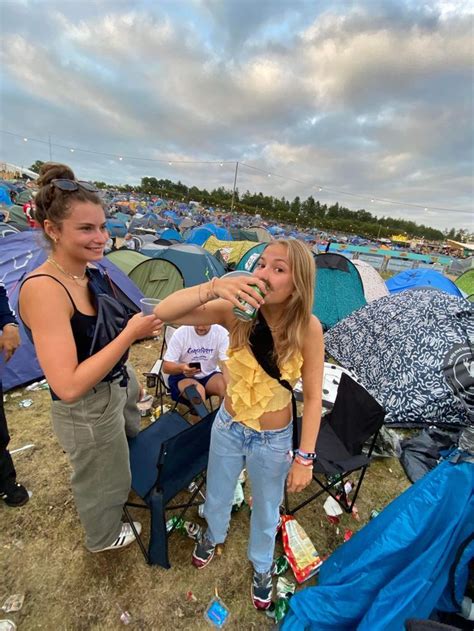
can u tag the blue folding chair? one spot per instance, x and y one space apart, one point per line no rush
164 459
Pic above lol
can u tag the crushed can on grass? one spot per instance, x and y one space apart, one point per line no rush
13 603
284 591
25 403
280 566
188 528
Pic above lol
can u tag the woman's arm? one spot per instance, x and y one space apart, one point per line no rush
201 305
47 311
312 376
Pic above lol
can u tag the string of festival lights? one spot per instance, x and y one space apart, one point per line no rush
173 161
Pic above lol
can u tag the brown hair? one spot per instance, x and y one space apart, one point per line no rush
292 328
53 204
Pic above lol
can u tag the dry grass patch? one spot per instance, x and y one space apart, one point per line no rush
42 552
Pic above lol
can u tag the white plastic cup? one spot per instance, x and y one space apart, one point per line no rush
148 305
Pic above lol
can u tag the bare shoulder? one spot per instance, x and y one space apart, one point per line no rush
314 329
46 295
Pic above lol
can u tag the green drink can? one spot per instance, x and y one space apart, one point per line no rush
246 311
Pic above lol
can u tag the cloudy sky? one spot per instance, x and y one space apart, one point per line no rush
366 100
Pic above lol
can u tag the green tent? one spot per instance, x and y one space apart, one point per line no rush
126 260
157 278
17 216
465 282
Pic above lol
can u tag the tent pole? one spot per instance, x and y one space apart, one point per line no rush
235 183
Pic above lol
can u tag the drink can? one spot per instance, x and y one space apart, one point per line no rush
374 513
246 311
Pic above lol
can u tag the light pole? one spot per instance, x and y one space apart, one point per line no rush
235 184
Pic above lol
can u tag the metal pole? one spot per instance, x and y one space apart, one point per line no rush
50 149
235 184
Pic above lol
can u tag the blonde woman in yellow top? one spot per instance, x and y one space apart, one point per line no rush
253 427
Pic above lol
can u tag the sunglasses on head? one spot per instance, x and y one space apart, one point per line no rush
73 185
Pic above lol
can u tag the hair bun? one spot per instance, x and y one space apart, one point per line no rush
52 171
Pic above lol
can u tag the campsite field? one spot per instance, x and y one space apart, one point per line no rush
42 553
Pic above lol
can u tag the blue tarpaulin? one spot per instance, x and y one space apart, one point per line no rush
400 565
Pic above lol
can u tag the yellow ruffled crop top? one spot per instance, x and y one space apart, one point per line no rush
252 391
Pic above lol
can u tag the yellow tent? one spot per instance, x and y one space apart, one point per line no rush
230 251
399 238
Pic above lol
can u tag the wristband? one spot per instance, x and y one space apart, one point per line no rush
305 454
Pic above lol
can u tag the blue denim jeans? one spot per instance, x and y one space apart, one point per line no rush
266 457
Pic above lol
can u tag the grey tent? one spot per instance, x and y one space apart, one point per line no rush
373 283
412 352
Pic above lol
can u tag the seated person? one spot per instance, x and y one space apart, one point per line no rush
205 345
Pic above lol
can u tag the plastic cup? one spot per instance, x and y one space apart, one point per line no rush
148 305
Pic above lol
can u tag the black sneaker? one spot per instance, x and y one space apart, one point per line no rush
203 552
262 587
14 495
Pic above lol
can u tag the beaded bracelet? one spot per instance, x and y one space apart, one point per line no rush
303 462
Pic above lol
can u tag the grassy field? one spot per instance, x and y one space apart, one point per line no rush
42 553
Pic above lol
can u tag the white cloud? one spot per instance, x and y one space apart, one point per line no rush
369 99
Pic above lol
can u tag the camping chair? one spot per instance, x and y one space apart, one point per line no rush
155 378
355 418
164 459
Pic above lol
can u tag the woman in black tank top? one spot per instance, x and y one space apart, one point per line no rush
59 309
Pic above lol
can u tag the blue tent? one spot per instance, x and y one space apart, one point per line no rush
170 214
416 278
201 234
21 253
400 565
338 290
5 197
115 227
171 234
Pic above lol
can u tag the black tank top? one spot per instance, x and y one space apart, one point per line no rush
82 326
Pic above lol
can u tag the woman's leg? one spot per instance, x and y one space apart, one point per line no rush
268 463
226 461
92 432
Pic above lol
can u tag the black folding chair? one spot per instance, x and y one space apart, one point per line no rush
355 419
164 459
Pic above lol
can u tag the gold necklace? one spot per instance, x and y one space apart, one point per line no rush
61 269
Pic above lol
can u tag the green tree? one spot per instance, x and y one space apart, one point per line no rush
36 166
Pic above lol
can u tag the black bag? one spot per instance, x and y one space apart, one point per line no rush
112 318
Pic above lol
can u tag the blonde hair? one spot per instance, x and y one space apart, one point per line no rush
292 327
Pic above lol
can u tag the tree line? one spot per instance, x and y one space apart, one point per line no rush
303 213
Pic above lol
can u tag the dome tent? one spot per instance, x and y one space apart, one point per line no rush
416 278
405 350
338 289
